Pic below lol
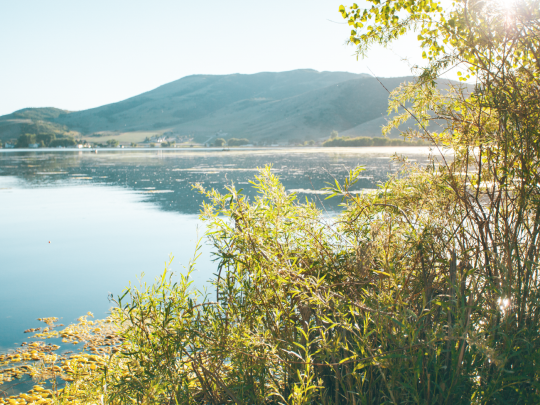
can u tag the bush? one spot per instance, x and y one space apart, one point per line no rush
311 310
45 139
237 142
219 142
112 143
24 140
62 142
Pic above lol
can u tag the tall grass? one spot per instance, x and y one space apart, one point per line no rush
396 300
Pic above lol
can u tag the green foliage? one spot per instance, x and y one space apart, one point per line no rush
395 300
62 142
45 139
24 140
237 142
43 128
366 141
112 143
334 134
41 114
219 142
473 33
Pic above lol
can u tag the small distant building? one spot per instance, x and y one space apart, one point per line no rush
33 145
80 146
9 145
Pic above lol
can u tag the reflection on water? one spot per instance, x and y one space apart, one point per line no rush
113 215
165 177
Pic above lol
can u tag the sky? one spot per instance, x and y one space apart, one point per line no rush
76 55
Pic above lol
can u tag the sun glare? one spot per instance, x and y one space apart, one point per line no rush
506 4
504 304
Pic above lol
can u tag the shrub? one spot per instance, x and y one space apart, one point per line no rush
219 142
45 139
395 290
237 142
24 140
62 142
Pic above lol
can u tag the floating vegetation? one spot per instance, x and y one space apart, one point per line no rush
46 364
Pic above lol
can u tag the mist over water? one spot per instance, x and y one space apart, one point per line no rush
78 226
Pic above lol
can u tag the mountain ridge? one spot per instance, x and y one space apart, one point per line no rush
281 107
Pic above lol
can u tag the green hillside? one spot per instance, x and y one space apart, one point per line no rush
284 107
43 114
35 121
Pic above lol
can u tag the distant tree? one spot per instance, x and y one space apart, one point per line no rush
219 142
45 139
146 140
334 134
237 142
112 143
62 142
25 139
378 141
133 145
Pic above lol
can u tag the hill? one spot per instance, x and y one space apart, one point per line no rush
264 107
39 121
43 114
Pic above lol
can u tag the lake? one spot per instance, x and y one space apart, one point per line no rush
76 226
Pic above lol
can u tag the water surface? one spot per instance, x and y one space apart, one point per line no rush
76 226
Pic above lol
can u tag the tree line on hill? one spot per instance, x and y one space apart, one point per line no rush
44 140
231 142
367 141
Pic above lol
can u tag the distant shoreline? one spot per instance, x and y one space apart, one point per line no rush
214 149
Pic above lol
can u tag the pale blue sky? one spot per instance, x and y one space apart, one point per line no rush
76 54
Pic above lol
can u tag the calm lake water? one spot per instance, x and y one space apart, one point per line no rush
76 226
